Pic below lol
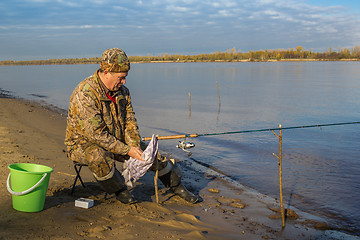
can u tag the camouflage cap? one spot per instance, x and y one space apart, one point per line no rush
115 60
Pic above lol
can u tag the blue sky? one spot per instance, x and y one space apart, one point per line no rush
44 29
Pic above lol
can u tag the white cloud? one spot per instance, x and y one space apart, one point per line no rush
54 27
225 13
69 3
120 8
215 4
326 29
37 1
173 8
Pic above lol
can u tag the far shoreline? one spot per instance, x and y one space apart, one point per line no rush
44 62
255 60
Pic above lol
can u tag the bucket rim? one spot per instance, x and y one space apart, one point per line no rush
11 167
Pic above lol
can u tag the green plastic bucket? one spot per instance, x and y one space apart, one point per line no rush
29 183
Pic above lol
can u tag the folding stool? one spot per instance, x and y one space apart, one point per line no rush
77 167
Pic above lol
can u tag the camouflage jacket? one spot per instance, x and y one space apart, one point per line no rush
94 119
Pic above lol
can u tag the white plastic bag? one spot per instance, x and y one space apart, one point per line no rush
135 169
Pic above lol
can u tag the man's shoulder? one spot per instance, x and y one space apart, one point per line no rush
88 84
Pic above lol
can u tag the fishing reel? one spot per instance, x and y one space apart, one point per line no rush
186 145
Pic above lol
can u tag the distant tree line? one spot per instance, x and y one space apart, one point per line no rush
53 61
230 55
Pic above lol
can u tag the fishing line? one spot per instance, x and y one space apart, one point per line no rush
274 129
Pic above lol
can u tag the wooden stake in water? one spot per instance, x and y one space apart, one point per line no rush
280 175
217 86
189 105
189 102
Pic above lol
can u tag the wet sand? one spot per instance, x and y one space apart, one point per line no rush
32 133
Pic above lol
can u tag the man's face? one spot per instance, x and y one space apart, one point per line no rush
116 80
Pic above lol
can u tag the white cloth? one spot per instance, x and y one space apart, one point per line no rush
135 169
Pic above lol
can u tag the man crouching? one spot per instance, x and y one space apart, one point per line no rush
102 129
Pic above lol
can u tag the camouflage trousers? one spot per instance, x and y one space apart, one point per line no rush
100 161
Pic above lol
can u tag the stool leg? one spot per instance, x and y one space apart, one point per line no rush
78 175
76 178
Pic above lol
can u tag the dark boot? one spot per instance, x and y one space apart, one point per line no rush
172 180
125 196
114 183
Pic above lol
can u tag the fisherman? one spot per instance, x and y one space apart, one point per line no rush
102 131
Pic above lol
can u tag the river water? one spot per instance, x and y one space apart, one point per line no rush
321 166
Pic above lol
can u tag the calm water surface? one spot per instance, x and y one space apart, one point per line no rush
321 166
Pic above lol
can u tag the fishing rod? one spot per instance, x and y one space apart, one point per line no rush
187 145
245 131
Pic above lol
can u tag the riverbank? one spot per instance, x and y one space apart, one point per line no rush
34 133
52 62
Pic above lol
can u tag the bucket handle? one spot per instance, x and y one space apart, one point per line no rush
26 191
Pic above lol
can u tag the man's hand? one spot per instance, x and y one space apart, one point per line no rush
136 152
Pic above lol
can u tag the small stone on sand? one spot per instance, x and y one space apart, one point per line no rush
238 205
213 190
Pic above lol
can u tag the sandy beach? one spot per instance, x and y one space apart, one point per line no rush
33 133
